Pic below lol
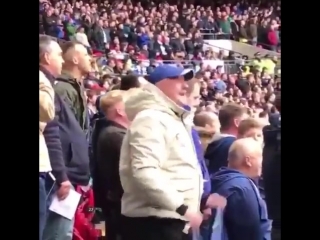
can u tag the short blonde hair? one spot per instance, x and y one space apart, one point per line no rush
248 124
115 96
111 98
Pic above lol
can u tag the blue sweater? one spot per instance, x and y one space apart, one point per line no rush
245 216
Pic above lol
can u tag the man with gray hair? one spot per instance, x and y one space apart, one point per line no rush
245 216
50 64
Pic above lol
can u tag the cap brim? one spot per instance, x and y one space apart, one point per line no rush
188 74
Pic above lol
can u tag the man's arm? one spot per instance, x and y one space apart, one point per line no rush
242 212
52 138
46 99
148 150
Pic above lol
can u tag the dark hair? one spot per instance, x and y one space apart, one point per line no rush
129 81
228 113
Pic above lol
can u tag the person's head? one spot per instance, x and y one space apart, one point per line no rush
128 82
264 116
171 80
76 58
230 116
92 96
50 55
193 94
245 155
112 105
251 127
207 120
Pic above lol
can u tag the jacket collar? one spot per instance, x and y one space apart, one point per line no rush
48 75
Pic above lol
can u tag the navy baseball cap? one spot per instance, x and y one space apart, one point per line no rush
169 71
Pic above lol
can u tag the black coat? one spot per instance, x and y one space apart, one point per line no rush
107 177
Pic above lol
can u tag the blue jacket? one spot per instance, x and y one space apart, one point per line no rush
143 39
245 216
217 151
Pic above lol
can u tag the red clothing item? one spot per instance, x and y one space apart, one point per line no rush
141 57
272 37
158 58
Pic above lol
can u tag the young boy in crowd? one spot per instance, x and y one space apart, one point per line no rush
251 128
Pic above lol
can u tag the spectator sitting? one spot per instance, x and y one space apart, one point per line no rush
143 38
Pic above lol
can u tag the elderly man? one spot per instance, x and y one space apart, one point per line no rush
245 216
159 171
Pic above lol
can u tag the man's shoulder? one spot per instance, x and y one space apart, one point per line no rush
62 86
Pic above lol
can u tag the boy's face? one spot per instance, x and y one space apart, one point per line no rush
255 133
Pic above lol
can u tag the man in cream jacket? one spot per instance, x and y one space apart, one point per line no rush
159 170
46 114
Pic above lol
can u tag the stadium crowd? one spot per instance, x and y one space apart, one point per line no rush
170 146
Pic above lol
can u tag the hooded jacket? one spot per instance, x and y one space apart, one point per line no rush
245 216
217 151
159 170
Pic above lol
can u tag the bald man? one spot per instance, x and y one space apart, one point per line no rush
245 216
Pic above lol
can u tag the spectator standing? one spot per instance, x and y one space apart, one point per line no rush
81 37
70 82
272 170
108 155
50 56
148 177
230 117
73 123
168 202
46 114
235 183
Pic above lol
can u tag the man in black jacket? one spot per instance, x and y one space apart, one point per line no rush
108 155
271 170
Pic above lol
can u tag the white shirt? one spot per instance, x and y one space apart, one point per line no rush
82 38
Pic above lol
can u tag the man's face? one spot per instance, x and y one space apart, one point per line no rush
83 58
54 58
256 163
175 89
194 97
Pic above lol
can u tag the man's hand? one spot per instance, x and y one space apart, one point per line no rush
207 213
64 190
216 201
194 218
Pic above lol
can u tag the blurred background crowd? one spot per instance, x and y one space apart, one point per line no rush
127 37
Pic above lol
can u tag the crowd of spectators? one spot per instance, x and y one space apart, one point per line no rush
127 41
137 34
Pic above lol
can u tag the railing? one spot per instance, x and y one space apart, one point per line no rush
209 34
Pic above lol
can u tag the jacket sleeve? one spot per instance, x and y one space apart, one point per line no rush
52 138
46 100
243 214
148 149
